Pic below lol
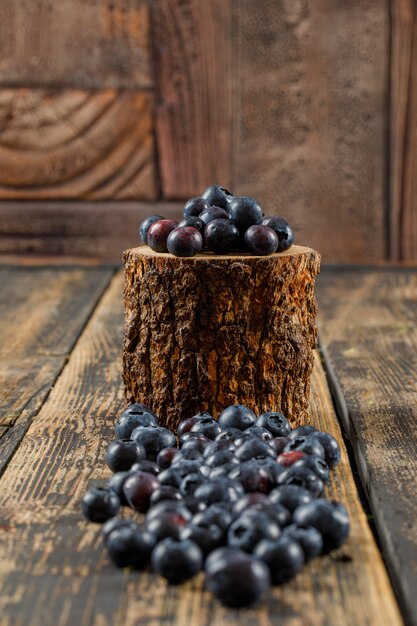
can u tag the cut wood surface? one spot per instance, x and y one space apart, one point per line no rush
369 332
75 43
42 312
53 569
88 229
205 332
403 130
76 144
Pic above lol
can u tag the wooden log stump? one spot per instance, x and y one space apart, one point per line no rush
205 332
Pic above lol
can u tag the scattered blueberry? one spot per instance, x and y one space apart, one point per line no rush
184 241
237 416
275 423
100 504
261 240
221 236
283 231
330 518
308 537
284 558
177 561
194 206
123 453
158 234
138 489
217 196
213 213
245 212
193 221
130 547
134 416
144 227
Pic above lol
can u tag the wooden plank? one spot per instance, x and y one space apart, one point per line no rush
99 230
403 123
53 569
196 103
313 118
43 312
74 43
60 144
369 332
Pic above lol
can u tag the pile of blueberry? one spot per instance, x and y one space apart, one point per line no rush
240 497
218 222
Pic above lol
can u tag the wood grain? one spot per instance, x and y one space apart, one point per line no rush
75 43
206 332
52 565
42 313
313 114
369 332
403 134
74 143
68 229
195 90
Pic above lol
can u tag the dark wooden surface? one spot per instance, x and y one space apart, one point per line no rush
368 332
53 569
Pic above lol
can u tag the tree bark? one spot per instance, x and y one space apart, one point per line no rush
205 332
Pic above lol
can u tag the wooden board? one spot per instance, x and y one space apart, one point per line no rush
75 143
53 569
403 133
75 43
42 313
196 105
368 328
87 229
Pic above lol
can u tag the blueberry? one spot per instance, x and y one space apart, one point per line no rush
220 490
209 427
177 561
275 423
194 206
115 523
278 444
134 416
316 465
116 483
286 459
261 240
290 496
208 538
164 492
194 441
235 578
219 445
186 454
186 425
218 514
230 433
283 231
250 528
154 439
193 505
331 448
123 453
273 468
284 558
309 539
175 507
249 500
213 213
258 431
138 489
302 477
170 476
277 512
144 227
167 524
193 221
254 448
222 236
244 212
220 457
330 518
146 466
308 444
252 477
158 234
185 241
302 431
130 547
190 483
217 196
237 416
100 504
222 470
165 457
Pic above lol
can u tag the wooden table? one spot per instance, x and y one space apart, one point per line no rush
60 345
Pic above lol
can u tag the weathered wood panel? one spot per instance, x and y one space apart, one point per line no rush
369 332
42 313
93 145
87 229
75 43
53 569
196 102
403 130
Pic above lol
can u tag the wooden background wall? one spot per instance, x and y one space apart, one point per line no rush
112 109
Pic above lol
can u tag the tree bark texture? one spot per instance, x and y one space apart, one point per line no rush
206 332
